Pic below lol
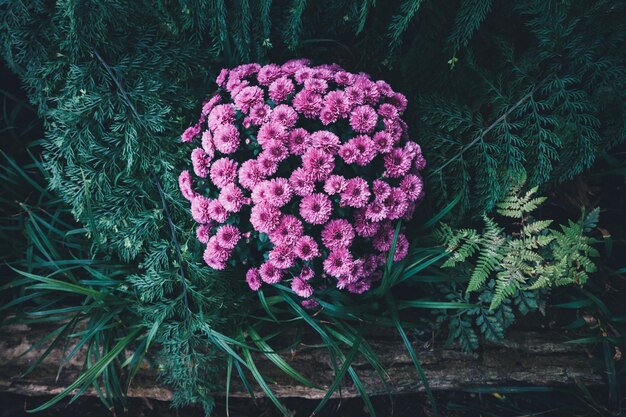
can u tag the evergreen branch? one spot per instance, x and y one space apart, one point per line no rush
174 240
117 82
484 133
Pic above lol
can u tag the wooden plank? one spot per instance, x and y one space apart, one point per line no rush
526 357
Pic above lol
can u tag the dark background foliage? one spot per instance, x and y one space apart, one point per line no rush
496 89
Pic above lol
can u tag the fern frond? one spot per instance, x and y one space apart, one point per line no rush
490 254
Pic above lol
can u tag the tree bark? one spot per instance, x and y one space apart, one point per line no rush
526 357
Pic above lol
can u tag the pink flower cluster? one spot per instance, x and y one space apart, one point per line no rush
301 173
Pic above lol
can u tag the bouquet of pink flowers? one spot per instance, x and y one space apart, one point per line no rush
301 175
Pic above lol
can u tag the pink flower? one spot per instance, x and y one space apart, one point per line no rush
216 256
388 111
207 144
402 248
248 97
399 101
397 163
306 249
221 78
285 115
270 274
363 119
185 183
334 184
287 232
253 278
308 103
235 84
231 198
370 90
337 233
282 257
293 65
190 133
365 149
396 203
249 174
303 74
412 185
344 78
310 304
279 192
208 105
203 232
359 287
263 108
355 95
381 189
315 84
280 89
301 182
384 238
338 103
260 192
348 153
266 164
200 209
301 288
264 217
217 211
227 236
383 142
316 208
268 73
376 211
259 114
364 227
275 150
384 88
338 262
326 141
226 138
356 193
221 114
223 172
319 163
327 116
299 141
306 273
271 131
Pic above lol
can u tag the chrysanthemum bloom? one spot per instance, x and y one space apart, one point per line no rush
203 232
306 248
302 182
337 233
264 217
231 198
288 231
226 138
227 236
270 274
223 172
185 183
282 257
301 287
312 166
253 278
363 119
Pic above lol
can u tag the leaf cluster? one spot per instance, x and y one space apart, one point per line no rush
514 266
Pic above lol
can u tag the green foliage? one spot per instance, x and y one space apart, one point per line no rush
536 87
541 100
530 258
